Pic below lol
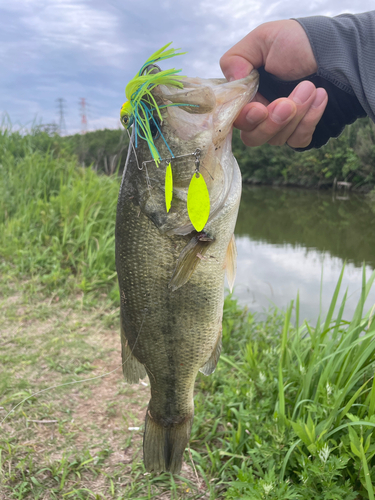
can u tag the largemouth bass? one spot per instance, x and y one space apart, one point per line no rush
171 276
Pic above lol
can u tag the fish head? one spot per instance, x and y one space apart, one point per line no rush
195 129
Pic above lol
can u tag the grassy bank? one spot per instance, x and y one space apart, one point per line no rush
78 440
56 218
351 157
288 414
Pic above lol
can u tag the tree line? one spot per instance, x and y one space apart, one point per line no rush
350 157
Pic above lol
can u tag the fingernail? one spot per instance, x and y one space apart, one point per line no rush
255 115
303 92
282 112
321 94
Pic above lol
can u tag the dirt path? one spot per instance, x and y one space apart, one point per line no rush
82 440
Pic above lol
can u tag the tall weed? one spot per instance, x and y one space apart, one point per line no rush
56 219
289 412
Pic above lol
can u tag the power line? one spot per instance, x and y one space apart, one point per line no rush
61 108
83 115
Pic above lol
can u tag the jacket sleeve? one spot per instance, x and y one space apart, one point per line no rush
344 49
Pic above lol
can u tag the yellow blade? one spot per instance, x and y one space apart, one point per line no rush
168 187
198 202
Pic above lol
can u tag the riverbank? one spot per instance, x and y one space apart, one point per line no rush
367 189
288 414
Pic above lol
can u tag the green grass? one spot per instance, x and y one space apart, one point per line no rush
288 414
56 219
256 434
63 439
292 407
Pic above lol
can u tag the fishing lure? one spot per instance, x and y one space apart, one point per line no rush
140 107
139 111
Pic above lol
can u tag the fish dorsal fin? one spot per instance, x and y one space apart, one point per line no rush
210 365
231 262
189 259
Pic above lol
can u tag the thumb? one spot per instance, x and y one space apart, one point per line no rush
235 67
243 57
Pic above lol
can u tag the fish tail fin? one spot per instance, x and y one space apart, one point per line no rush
164 445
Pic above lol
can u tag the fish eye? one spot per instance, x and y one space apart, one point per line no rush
125 119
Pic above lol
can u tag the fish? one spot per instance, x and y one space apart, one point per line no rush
171 275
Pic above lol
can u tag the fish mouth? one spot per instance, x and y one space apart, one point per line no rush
231 92
203 102
250 79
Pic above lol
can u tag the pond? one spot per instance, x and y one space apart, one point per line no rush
291 240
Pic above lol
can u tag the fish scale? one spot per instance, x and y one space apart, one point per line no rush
171 278
162 322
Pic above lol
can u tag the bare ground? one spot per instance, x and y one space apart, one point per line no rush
86 438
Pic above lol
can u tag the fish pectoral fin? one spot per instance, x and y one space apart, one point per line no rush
210 365
132 369
189 259
231 262
198 101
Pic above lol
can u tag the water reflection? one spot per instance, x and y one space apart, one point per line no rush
285 237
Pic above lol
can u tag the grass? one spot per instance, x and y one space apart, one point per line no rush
255 434
293 406
288 414
72 441
57 219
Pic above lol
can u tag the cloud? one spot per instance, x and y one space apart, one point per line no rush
89 48
66 28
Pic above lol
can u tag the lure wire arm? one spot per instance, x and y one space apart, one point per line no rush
196 153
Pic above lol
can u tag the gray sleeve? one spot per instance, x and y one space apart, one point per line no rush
344 48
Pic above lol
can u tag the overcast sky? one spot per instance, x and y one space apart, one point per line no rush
51 49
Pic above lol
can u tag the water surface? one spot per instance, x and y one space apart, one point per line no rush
287 237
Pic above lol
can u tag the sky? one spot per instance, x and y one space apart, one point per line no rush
74 49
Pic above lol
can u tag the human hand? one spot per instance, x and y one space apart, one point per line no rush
283 48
